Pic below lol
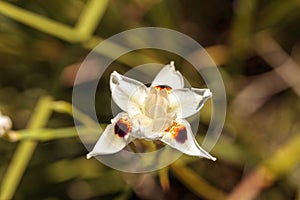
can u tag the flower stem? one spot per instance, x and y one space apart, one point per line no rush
279 164
87 23
164 179
67 108
24 150
46 134
194 182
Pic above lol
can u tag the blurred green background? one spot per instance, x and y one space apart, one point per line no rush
256 45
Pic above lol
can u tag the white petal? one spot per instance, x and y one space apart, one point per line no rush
127 93
169 76
110 142
180 137
5 124
186 102
204 93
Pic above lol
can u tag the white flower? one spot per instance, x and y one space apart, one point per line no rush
5 124
157 112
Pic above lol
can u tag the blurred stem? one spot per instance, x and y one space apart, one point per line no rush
278 11
164 178
160 17
46 134
282 161
133 147
90 17
38 22
67 108
195 183
87 22
128 60
24 150
298 193
125 194
242 27
230 152
241 129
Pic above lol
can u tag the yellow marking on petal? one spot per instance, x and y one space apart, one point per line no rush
163 87
178 131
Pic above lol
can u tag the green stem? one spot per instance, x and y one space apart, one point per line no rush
46 134
242 26
66 107
298 193
24 151
126 194
277 165
87 23
194 182
90 17
85 26
38 22
129 60
164 178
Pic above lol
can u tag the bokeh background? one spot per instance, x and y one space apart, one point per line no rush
256 45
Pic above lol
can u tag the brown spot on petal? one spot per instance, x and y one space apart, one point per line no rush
122 127
163 87
181 136
178 131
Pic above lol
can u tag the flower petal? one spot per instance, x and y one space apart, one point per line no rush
186 102
114 138
179 136
5 124
167 76
127 93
